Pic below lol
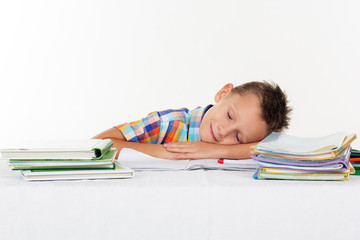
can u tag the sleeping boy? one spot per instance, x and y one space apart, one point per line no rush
241 117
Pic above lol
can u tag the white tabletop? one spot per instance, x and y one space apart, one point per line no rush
178 205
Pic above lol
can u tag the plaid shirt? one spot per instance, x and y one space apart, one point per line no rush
161 127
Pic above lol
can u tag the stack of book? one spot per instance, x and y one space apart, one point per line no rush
66 160
355 160
281 156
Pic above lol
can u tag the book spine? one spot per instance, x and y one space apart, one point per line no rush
102 148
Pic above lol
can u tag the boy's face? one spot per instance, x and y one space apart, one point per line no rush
233 119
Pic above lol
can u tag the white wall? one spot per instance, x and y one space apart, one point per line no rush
70 69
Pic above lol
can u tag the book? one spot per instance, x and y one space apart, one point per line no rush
288 174
281 156
59 149
317 148
341 161
119 171
328 167
355 160
107 161
139 162
355 155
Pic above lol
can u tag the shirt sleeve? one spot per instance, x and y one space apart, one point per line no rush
145 130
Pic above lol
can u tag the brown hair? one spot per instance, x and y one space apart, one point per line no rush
273 102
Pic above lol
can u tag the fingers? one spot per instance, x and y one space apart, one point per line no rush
187 150
184 156
181 156
178 144
181 148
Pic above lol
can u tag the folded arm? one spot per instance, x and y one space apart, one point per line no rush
119 142
179 150
203 150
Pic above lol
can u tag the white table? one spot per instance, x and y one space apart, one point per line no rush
178 205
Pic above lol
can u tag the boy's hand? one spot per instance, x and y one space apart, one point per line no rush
194 150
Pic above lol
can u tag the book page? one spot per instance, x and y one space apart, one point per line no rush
56 145
283 143
240 164
141 161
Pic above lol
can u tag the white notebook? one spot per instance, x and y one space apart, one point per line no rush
139 161
286 144
119 171
58 149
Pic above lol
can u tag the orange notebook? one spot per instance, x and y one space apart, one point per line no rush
355 159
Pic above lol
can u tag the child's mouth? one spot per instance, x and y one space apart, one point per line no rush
212 133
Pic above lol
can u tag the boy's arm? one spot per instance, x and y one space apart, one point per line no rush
119 142
179 150
204 150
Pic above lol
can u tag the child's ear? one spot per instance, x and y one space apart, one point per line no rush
223 92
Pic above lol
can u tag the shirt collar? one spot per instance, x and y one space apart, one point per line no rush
194 121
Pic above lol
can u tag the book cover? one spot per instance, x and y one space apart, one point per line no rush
105 162
119 171
323 147
302 176
140 162
61 149
342 158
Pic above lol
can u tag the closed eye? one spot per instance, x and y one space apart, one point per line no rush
238 138
229 115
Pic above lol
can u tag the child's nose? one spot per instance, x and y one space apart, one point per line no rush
224 130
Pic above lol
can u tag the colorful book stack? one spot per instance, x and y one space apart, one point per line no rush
66 160
355 160
281 156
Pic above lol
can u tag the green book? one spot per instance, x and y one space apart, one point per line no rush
355 153
357 170
107 161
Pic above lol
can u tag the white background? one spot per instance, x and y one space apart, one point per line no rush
71 69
